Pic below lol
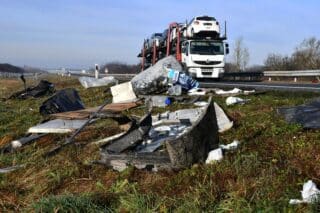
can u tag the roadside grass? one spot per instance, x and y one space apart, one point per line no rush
269 168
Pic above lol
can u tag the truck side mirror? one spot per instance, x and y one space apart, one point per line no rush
227 48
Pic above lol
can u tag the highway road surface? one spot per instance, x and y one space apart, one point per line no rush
263 86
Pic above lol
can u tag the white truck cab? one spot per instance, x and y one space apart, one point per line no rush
204 58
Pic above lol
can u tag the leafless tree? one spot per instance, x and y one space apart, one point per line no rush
241 54
307 54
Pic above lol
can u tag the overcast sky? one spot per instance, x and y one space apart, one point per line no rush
79 33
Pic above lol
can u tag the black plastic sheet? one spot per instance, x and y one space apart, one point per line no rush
308 115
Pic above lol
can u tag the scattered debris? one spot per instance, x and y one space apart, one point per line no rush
160 101
43 88
20 142
197 91
155 78
176 77
88 82
217 154
104 141
231 146
110 111
224 122
132 137
233 92
10 169
308 115
214 155
57 126
123 93
201 103
175 90
228 92
63 101
309 193
235 100
70 140
175 140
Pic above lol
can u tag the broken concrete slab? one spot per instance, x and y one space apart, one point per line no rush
88 82
180 151
132 137
57 126
224 122
123 93
155 78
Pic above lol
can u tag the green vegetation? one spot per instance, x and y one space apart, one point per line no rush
269 168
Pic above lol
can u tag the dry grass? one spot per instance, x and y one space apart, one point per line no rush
268 169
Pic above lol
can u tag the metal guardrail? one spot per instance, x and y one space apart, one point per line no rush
293 73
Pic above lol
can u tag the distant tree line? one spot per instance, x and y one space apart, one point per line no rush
305 56
121 68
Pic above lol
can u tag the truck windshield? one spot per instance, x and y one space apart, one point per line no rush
206 48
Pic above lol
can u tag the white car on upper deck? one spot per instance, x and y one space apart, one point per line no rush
203 26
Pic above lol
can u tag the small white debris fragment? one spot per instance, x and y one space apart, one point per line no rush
214 155
201 103
226 92
223 121
235 100
196 91
309 193
230 146
16 144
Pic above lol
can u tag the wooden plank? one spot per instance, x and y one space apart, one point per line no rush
85 113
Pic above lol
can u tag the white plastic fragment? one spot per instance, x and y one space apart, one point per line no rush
235 100
196 91
248 92
88 82
214 155
201 103
16 144
57 126
231 146
123 93
223 121
309 193
228 92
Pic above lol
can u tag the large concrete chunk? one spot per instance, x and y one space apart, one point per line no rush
154 79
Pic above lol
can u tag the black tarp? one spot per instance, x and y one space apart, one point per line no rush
43 88
63 101
308 115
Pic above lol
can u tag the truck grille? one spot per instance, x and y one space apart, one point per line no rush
207 62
